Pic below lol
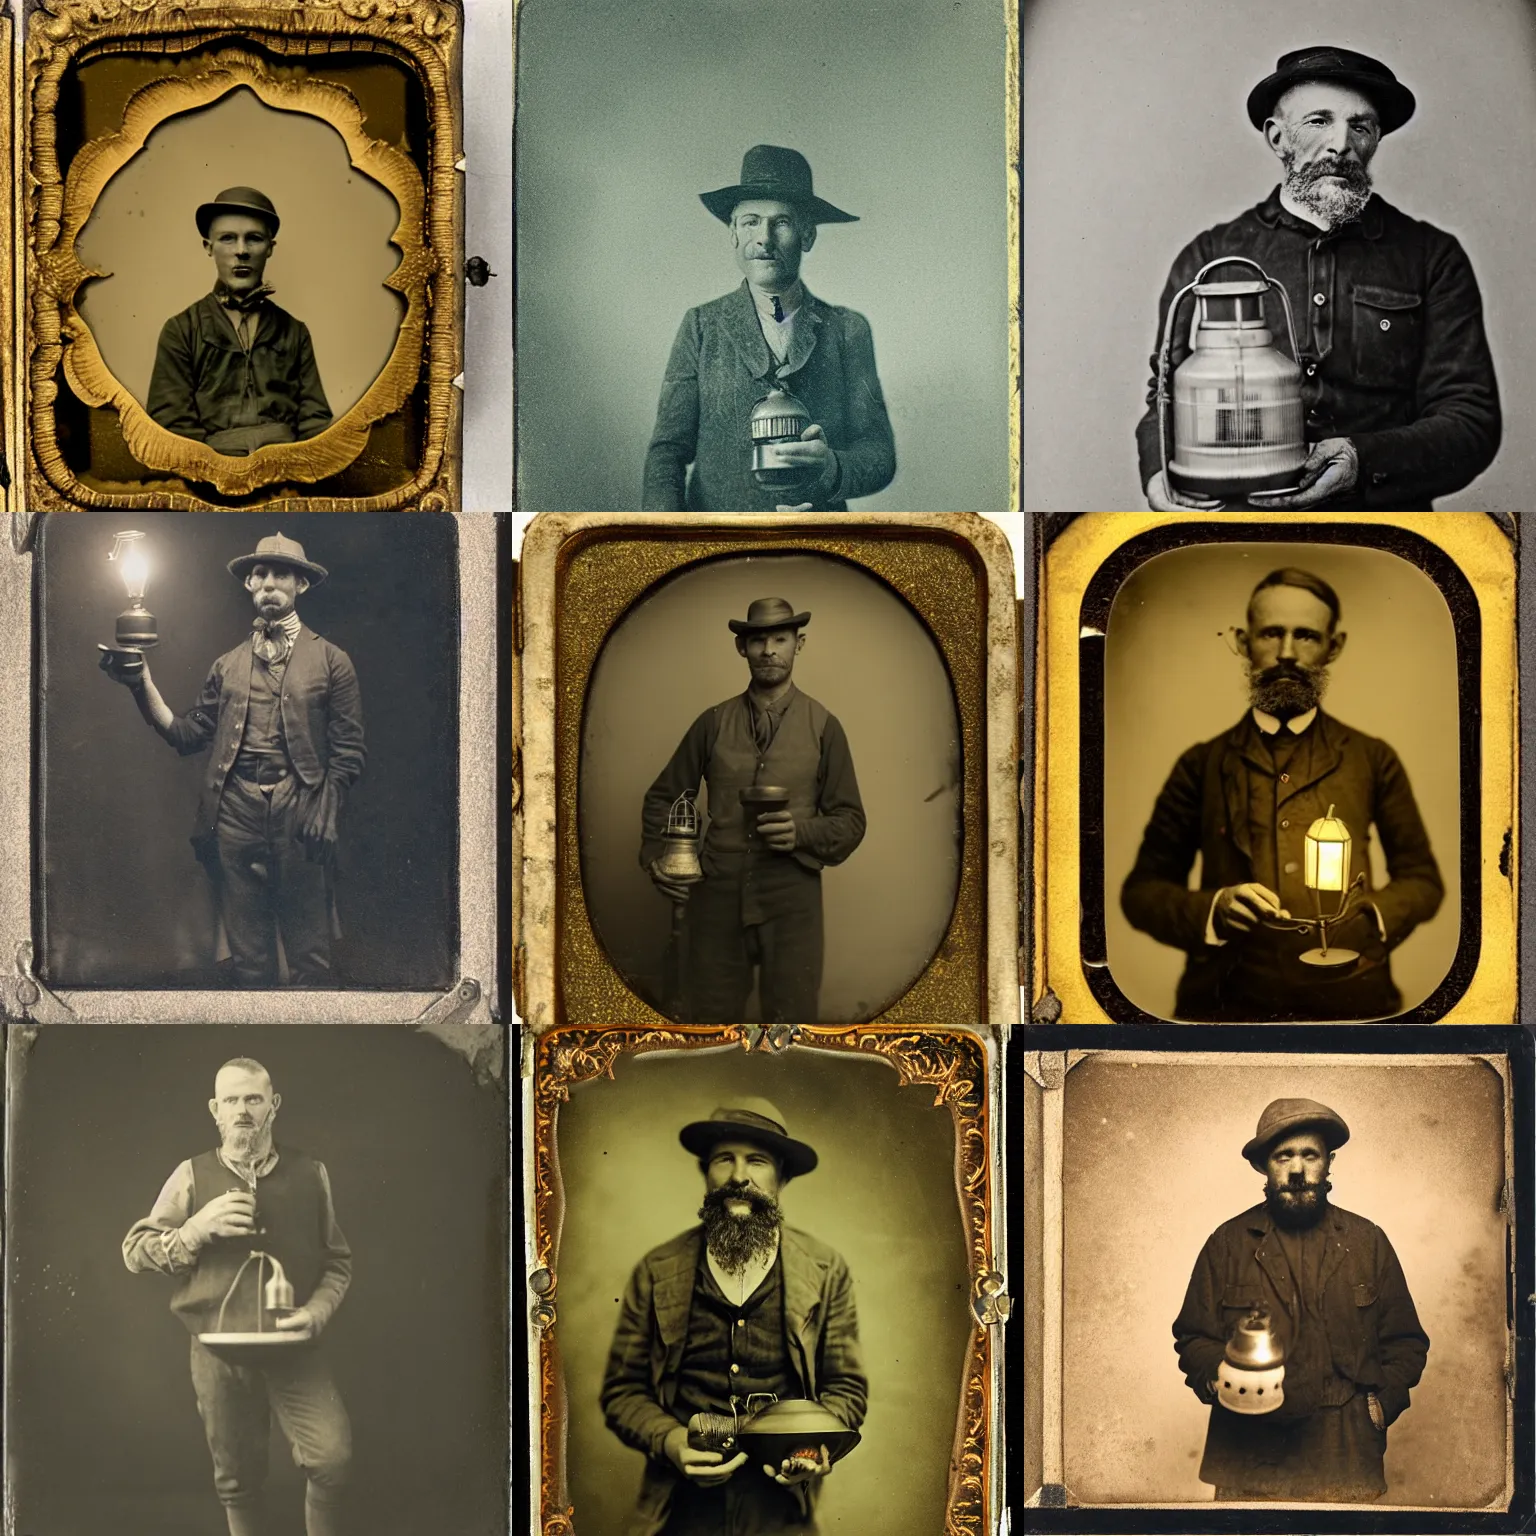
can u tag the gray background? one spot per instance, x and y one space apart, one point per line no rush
627 112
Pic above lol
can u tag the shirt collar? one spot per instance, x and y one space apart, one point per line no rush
291 624
1275 214
775 709
261 1169
789 301
1269 725
737 1288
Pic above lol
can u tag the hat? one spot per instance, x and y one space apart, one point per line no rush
237 200
753 1120
277 549
784 175
1394 101
1285 1115
768 613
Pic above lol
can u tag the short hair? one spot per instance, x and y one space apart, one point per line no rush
1294 576
245 1064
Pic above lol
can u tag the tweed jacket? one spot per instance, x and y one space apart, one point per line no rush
1393 353
721 367
640 1383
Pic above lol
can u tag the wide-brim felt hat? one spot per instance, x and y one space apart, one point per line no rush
768 613
278 549
1286 1115
237 200
780 175
1339 66
754 1120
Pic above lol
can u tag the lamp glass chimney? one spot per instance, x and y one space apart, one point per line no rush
1327 854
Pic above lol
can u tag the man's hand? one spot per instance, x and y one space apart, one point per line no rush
668 888
812 453
804 506
1332 467
300 1320
1239 907
239 441
778 830
800 1469
1163 498
706 1468
232 1214
126 666
1378 1415
317 829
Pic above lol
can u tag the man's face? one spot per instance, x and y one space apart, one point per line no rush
742 1165
771 654
740 1212
1296 1177
770 238
1290 642
240 244
1325 136
274 588
243 1105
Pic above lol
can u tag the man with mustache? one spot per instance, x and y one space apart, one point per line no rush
1243 802
246 1195
759 904
1338 1303
235 370
284 719
719 1320
771 331
1397 381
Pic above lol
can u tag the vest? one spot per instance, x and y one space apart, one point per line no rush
289 1206
721 1335
264 735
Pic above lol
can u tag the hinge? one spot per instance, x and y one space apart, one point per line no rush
517 606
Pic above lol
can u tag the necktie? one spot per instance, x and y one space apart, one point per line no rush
778 310
270 640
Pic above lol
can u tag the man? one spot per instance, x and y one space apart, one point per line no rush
739 1307
214 1211
1244 801
759 904
1339 1306
234 370
1397 382
284 718
771 331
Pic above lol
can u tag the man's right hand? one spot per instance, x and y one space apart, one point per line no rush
706 1468
1163 498
668 888
1240 907
130 668
232 1214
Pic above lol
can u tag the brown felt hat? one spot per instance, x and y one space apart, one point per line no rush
278 549
1340 66
755 1120
1286 1115
768 613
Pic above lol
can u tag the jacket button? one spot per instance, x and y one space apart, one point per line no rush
1285 778
1311 370
1285 824
1291 866
1319 299
735 1370
1386 325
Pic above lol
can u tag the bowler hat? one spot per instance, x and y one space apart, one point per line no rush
768 613
278 549
237 200
754 1120
1394 101
782 175
1286 1115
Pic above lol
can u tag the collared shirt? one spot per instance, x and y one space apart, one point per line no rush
736 1286
1270 724
778 332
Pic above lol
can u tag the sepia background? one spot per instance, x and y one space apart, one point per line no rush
102 1430
883 1196
1136 138
626 113
1170 681
1153 1165
873 664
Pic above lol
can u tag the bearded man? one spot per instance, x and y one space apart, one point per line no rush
742 1307
215 1209
1338 1304
1397 381
1243 802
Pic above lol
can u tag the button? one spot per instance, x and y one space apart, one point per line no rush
741 1322
1311 370
735 1370
1319 299
1285 778
1379 477
1291 866
1386 325
1285 825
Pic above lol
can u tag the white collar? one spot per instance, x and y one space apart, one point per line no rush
739 1285
789 301
261 1169
1270 725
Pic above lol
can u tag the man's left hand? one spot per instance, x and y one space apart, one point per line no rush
778 830
1378 1415
300 1320
1332 467
800 1469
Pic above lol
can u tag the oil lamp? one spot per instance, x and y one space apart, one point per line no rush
1249 1379
273 1300
777 420
1326 868
136 629
1236 399
679 860
780 1428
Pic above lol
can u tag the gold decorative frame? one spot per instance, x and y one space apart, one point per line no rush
960 1069
423 36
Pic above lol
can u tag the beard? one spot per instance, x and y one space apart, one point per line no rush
734 1241
1296 1205
1286 689
1337 201
247 1144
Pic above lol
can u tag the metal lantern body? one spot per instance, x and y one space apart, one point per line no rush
1325 867
795 1427
1237 409
136 628
1252 1371
777 420
679 860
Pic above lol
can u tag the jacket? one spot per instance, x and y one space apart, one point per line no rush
640 1382
721 367
1204 809
1392 349
1372 1328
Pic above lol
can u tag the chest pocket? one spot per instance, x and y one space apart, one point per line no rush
1388 336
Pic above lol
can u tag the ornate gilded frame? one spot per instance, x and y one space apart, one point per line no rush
423 36
963 1073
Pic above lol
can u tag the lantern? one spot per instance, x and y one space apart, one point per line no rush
781 1428
1250 1376
135 624
1237 412
1326 868
679 860
777 420
274 1300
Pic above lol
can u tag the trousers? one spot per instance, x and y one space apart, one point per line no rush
750 1504
268 886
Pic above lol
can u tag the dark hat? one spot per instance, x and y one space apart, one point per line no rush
277 549
754 1120
1394 101
768 613
1286 1115
783 175
237 200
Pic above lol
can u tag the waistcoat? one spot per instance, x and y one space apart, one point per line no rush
264 734
715 1343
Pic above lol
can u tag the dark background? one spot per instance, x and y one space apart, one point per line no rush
102 1428
123 902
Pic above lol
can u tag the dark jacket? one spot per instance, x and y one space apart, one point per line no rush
1372 1329
640 1383
1394 357
1204 809
721 367
204 383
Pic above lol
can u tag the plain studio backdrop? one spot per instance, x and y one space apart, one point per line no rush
625 113
102 1430
883 1195
124 901
871 662
1170 681
1153 1165
1136 138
